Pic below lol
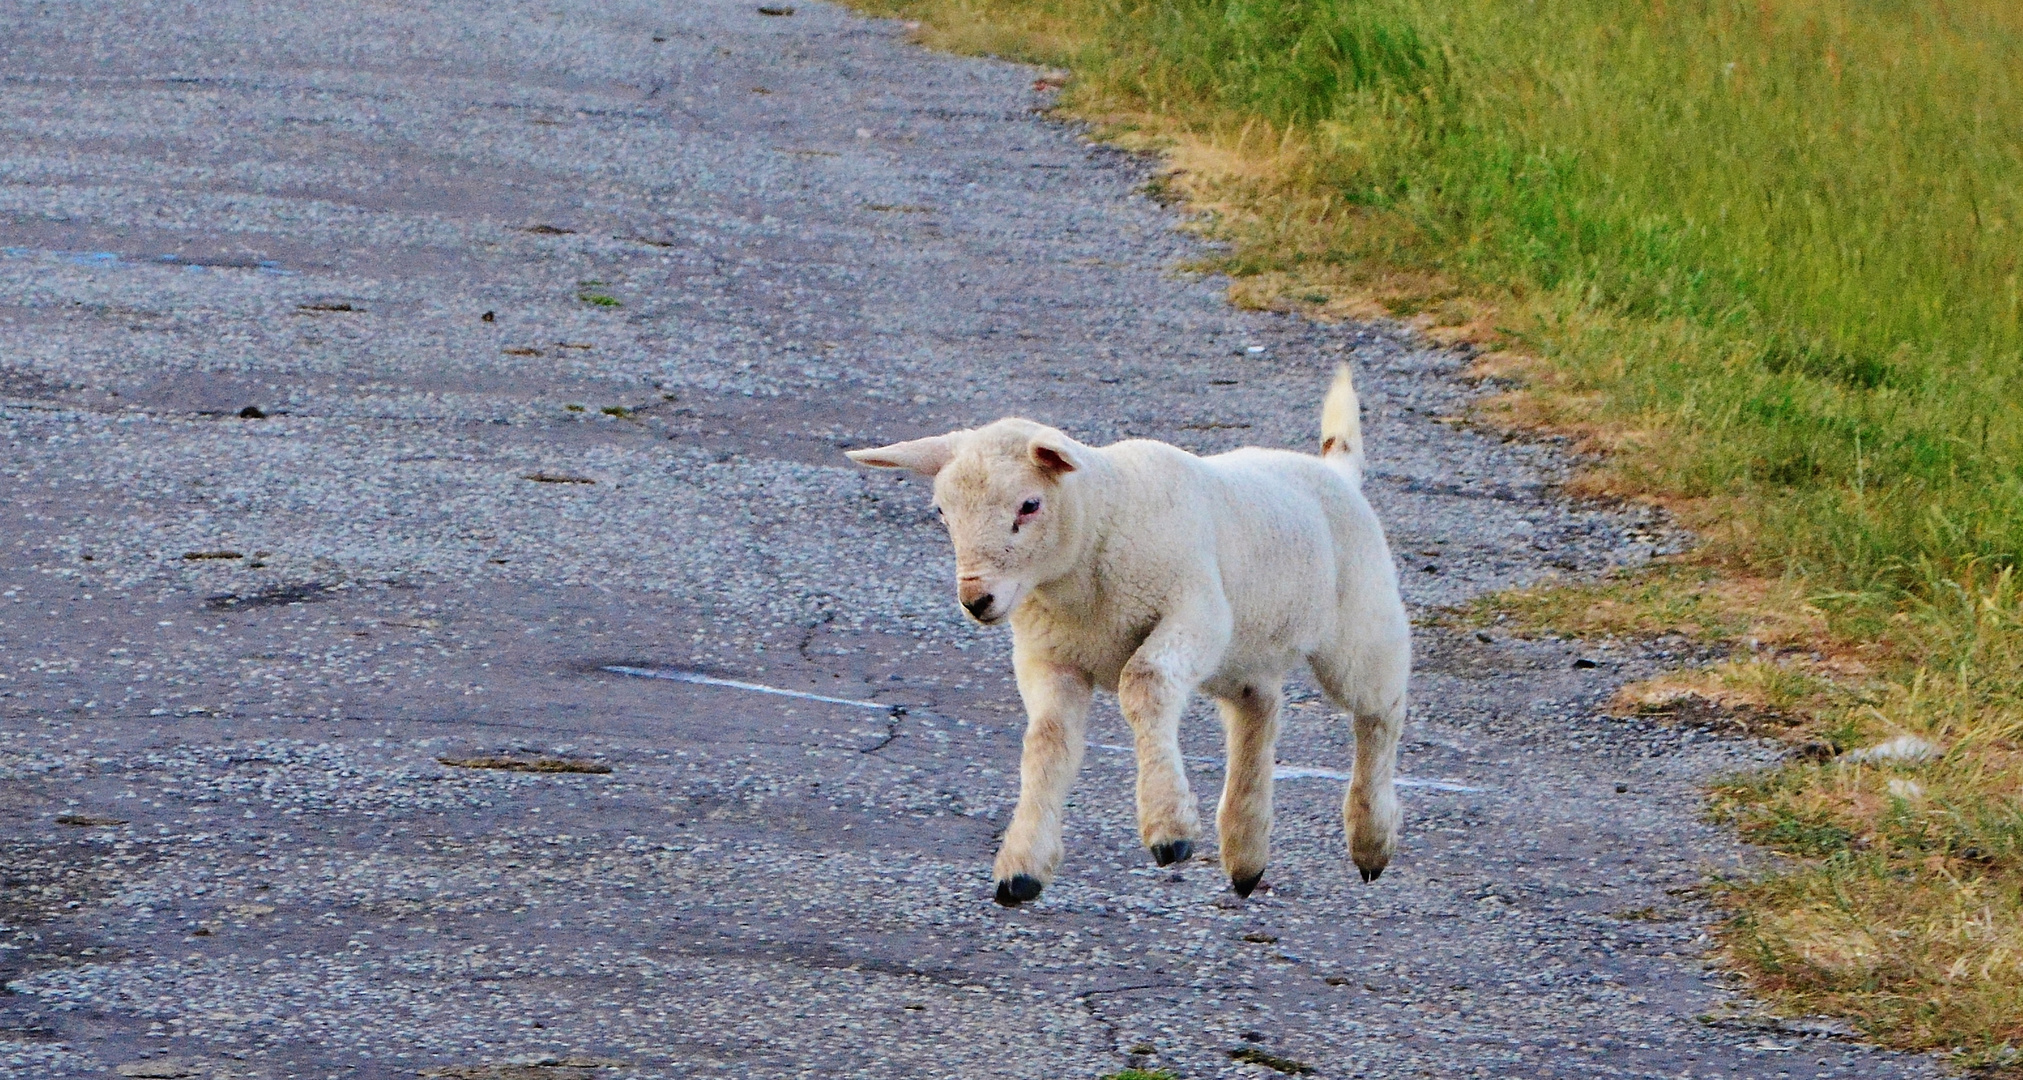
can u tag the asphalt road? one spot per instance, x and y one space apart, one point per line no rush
547 323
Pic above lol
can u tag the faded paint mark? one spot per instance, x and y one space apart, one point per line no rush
697 677
1302 772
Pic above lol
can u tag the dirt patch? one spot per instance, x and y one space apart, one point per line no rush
20 383
86 822
535 765
39 883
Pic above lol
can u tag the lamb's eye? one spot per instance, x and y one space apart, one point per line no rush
1030 506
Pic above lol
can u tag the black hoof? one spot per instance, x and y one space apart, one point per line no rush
1371 875
1244 886
1018 890
1172 851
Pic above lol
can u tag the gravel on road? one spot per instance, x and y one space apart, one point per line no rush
375 379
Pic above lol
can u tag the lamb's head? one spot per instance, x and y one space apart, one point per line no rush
1007 493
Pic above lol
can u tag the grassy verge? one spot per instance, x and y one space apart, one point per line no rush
1764 254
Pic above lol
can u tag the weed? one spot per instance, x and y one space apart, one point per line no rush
599 299
1252 1056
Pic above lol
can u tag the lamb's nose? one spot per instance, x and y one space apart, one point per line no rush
979 605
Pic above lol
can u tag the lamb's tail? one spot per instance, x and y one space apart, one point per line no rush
1342 427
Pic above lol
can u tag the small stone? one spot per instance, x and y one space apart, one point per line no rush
1903 748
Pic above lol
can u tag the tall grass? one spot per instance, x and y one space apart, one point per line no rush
1771 249
1821 202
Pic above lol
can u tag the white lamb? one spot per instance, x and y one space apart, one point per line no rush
1147 571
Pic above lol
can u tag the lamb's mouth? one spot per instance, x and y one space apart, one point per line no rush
992 607
988 618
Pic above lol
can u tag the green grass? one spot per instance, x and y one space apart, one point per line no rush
1765 252
1785 235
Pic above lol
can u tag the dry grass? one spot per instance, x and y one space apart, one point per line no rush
1901 904
1897 896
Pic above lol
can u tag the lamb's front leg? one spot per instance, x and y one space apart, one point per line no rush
1057 714
1153 691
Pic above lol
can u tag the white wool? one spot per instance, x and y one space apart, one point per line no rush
1142 569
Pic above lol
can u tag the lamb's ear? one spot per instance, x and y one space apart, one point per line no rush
1055 453
924 456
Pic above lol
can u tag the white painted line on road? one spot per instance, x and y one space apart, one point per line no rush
1299 772
1282 772
1302 772
678 675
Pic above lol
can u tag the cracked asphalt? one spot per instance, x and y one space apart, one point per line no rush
374 377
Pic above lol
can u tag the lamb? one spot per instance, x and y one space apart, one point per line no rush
1144 570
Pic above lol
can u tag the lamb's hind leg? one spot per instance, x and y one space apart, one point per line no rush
1370 812
1250 721
1371 686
